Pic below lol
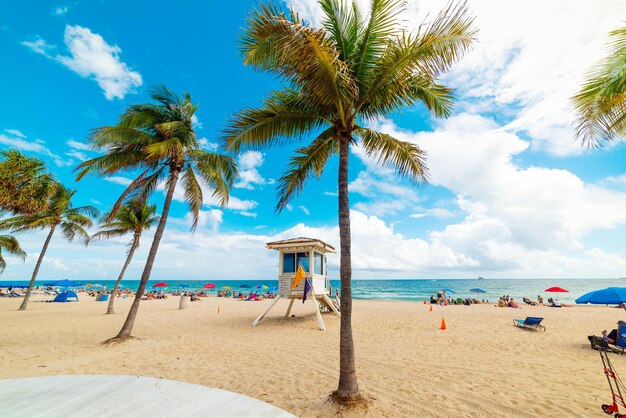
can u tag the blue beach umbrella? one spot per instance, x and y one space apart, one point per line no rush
448 290
608 296
64 283
478 290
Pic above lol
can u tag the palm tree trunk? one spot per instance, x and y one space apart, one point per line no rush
34 277
119 279
348 387
132 314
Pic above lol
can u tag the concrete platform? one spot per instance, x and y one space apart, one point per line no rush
123 396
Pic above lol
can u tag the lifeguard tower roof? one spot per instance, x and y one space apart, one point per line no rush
300 241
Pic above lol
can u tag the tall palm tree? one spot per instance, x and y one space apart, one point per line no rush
159 141
25 186
355 68
601 103
9 244
134 217
61 214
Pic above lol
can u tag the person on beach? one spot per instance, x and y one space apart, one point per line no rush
432 300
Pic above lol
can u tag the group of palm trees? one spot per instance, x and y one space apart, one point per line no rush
357 67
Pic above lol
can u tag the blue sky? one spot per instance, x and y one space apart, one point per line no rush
511 193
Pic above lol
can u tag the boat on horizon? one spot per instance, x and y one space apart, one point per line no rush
481 278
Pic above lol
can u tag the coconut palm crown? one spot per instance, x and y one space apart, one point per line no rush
601 103
355 68
25 186
158 141
60 213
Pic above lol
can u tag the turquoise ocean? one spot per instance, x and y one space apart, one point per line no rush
408 290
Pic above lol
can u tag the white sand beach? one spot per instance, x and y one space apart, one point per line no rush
480 366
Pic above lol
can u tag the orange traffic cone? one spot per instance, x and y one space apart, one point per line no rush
443 324
424 302
431 308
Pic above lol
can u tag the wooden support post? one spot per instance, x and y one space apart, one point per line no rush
289 308
256 321
317 311
331 305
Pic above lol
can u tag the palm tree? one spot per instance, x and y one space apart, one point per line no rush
601 103
25 186
10 245
354 69
60 213
134 217
159 141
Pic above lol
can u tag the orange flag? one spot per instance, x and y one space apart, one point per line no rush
300 274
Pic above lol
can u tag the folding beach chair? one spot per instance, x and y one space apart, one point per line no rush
531 322
620 341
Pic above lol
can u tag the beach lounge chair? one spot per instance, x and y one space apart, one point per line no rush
531 322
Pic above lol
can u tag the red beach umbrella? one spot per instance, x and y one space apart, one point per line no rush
160 284
209 286
556 289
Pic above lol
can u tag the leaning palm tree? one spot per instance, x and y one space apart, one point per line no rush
134 217
61 214
25 186
158 140
354 69
601 103
9 244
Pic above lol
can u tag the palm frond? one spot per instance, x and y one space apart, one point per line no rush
405 158
286 116
424 55
301 55
193 194
308 161
601 103
382 25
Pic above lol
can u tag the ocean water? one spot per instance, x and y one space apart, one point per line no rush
414 290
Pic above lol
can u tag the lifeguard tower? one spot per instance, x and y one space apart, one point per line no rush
311 255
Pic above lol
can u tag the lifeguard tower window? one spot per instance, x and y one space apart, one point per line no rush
291 260
318 265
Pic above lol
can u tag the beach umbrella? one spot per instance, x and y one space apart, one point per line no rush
160 284
448 290
608 296
183 285
211 286
245 286
478 290
63 283
226 287
556 289
262 286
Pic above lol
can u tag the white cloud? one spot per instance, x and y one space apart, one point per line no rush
441 213
78 145
196 122
60 10
77 154
335 194
16 133
248 214
304 209
530 58
535 208
123 181
16 139
249 176
39 46
205 144
92 57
